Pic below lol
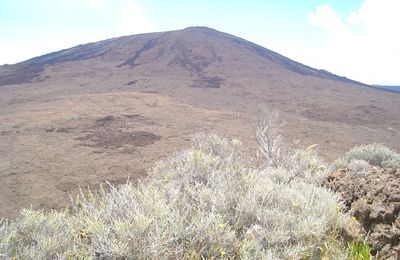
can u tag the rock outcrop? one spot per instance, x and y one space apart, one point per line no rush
373 199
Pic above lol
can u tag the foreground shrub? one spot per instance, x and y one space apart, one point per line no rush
373 154
205 202
294 163
38 235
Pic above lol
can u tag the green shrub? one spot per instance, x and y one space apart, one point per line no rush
373 154
205 202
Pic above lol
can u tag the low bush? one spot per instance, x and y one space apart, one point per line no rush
205 202
373 154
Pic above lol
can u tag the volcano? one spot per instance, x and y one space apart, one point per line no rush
111 109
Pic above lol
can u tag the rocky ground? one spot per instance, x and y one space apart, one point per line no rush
373 199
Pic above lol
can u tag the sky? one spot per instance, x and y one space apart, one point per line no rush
358 39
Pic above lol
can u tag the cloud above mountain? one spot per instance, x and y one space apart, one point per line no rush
362 43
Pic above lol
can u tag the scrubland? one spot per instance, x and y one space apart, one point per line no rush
207 202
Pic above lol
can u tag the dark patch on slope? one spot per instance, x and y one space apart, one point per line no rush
196 64
207 82
184 59
149 44
109 139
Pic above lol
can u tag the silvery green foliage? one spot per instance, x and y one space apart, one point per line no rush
358 167
38 235
291 163
373 154
205 202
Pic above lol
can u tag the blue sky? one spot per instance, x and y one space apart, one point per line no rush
353 38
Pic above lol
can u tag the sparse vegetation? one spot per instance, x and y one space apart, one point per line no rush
206 202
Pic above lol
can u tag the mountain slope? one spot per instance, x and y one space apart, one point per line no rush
111 109
177 46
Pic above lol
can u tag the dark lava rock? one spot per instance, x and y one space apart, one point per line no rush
373 198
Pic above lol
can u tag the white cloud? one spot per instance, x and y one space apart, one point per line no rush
326 18
364 46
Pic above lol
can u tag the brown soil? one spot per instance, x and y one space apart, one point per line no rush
374 200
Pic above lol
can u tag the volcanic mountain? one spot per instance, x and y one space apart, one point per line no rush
110 109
